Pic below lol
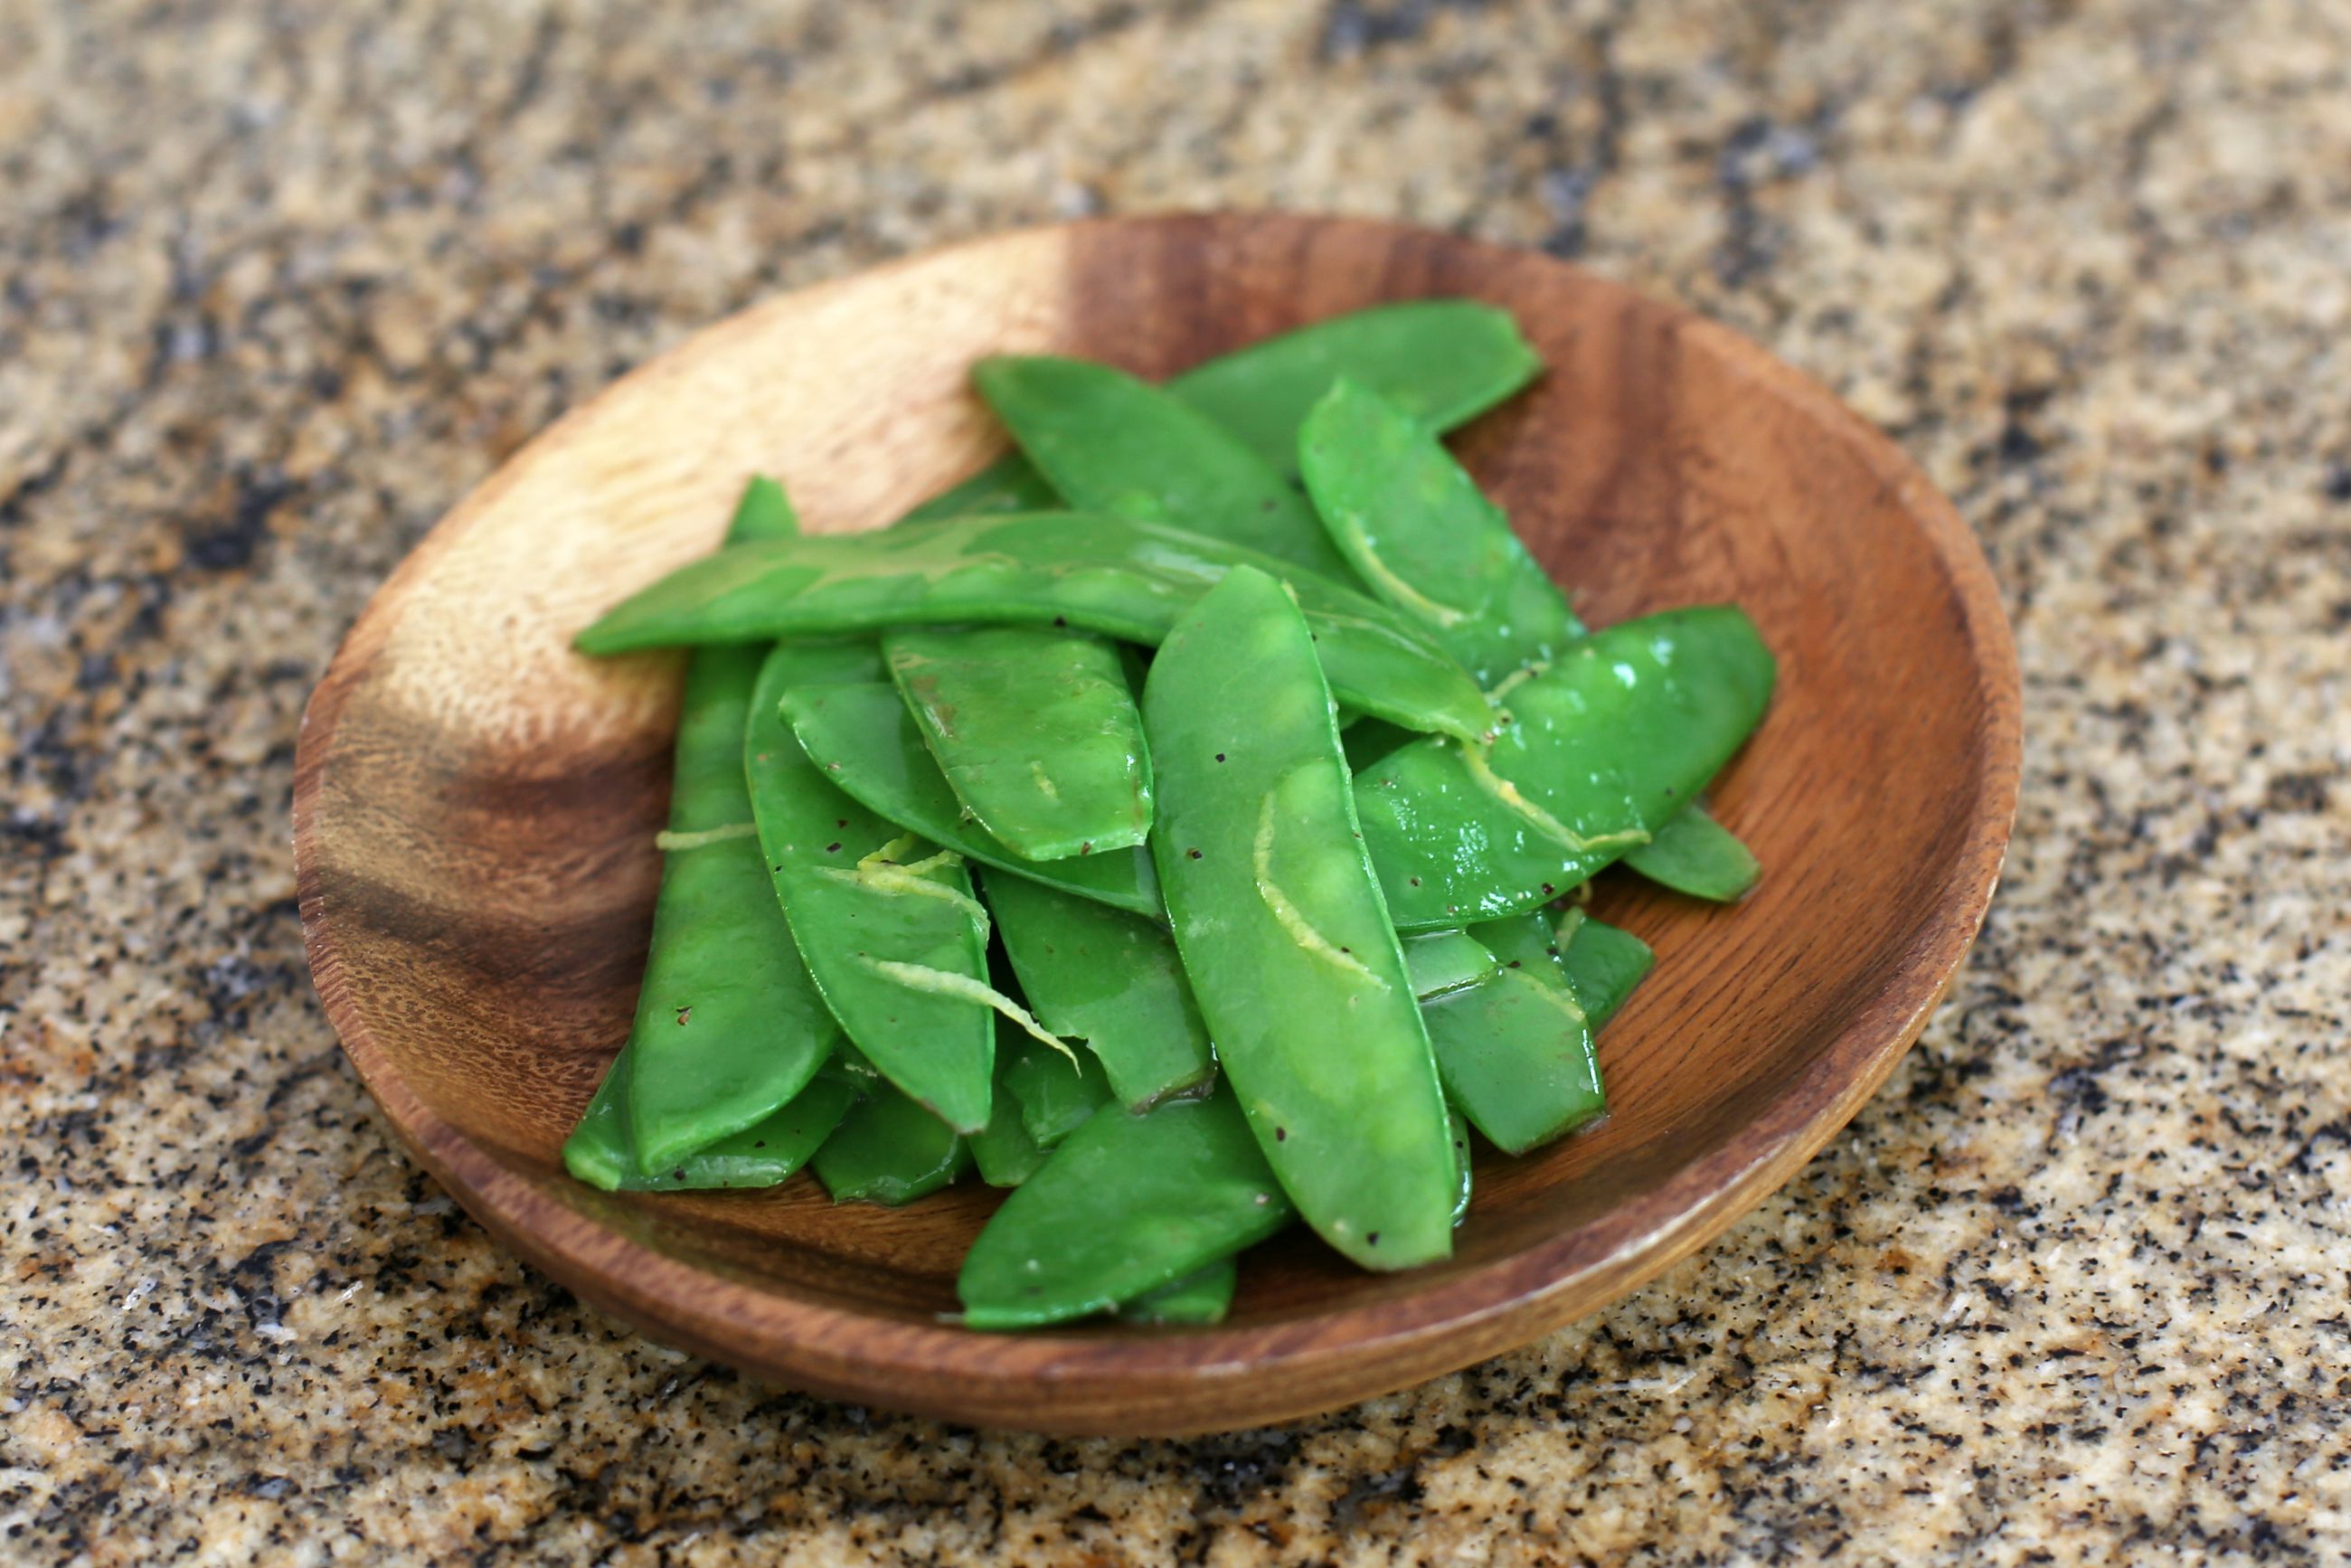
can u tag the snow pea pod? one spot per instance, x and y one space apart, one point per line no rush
886 923
890 1150
1124 1205
1110 442
1036 730
1515 1050
1416 529
1004 1151
728 1026
1283 935
1120 578
862 736
768 1151
1200 1298
1057 1095
1442 961
1109 977
1695 855
1603 963
1444 361
1621 731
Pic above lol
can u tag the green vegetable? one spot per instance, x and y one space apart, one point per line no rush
728 1026
1515 1049
1122 579
885 921
1200 1298
1415 527
1004 1151
1110 978
1445 361
1442 961
1603 963
1057 1095
1695 855
1127 1205
1280 923
890 1150
1036 730
1621 731
867 742
1457 1134
1110 442
767 1152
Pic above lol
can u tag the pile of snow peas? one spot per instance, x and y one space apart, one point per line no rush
1186 824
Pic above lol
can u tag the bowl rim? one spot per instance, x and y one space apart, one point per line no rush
1193 1380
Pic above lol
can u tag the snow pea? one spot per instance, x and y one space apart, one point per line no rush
1003 1150
1457 1133
765 1152
1416 529
1444 361
890 1150
1057 1095
1127 1205
1603 963
1515 1049
1120 578
866 742
886 923
1109 977
728 1026
1198 1299
1599 750
1110 442
1282 932
1442 961
1695 855
1036 730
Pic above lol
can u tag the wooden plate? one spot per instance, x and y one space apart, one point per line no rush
475 806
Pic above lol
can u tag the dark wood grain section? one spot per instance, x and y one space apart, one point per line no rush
475 806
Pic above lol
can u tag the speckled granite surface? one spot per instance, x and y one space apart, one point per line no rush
279 281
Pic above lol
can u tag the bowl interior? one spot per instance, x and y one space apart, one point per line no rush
477 804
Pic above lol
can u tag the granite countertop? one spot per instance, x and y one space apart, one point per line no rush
279 282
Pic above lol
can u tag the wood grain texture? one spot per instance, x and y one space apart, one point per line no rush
475 806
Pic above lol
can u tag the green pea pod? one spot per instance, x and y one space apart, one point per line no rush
1695 855
1283 935
1110 978
1415 527
598 1151
1057 1095
1124 1205
1603 963
1109 442
890 1150
1004 1151
1011 483
1036 730
1515 1049
728 1026
867 742
1122 578
1621 731
1198 1299
886 923
1442 961
1444 361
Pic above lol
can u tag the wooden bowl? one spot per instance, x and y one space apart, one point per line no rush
475 806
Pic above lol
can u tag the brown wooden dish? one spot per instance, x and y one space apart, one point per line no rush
475 806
